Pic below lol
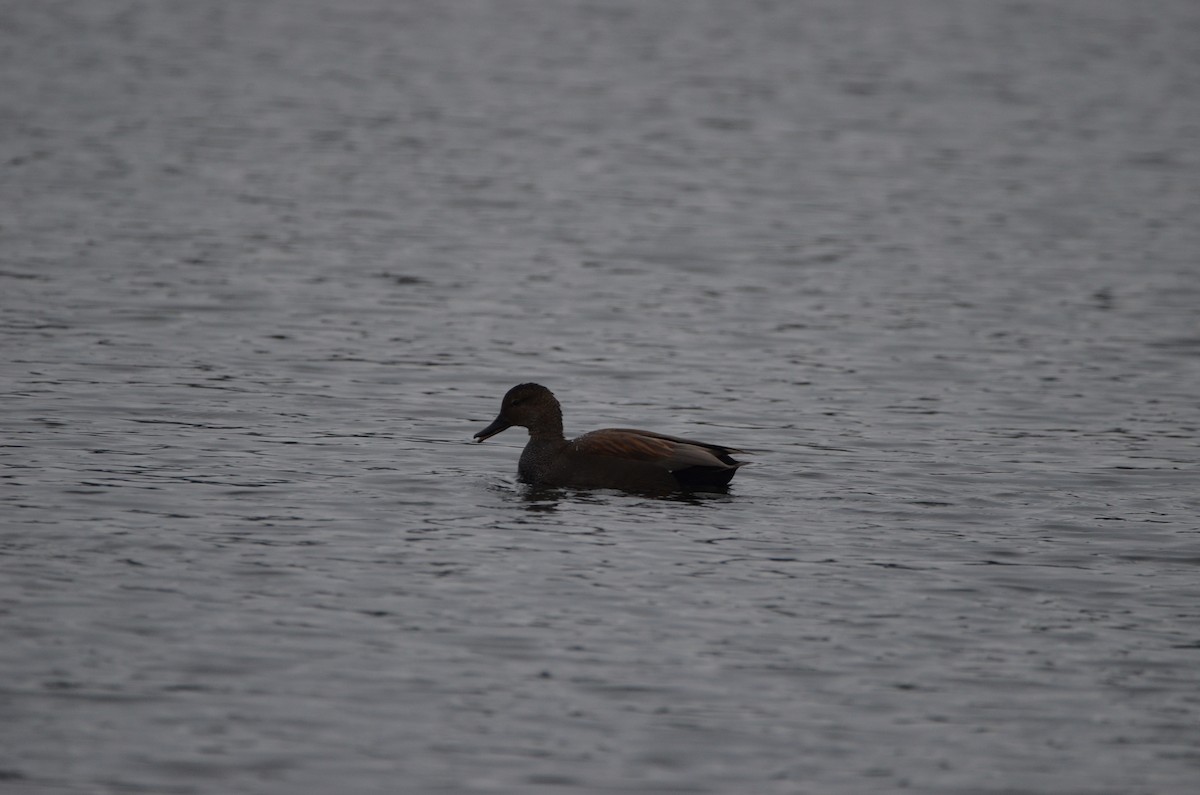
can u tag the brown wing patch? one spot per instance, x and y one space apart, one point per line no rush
621 443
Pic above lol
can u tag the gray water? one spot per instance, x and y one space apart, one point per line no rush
265 267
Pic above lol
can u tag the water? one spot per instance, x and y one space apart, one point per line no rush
266 267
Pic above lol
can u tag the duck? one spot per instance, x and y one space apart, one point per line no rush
625 459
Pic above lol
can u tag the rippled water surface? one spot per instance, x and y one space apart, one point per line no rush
265 267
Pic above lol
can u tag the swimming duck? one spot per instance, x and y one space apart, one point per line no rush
614 458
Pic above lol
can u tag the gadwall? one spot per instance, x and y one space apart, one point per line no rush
613 458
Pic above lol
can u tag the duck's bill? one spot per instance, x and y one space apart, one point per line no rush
493 429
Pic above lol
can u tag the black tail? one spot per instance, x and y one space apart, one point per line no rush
701 477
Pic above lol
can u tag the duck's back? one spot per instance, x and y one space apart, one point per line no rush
628 458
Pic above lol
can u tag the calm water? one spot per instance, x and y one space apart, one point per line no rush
265 267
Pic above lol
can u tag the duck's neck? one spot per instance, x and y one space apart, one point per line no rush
548 428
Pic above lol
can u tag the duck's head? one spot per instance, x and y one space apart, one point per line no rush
530 406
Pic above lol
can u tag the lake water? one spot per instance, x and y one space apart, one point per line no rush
266 267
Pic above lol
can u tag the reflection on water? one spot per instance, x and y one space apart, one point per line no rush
266 269
547 499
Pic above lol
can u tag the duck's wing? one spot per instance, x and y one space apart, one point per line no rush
670 452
